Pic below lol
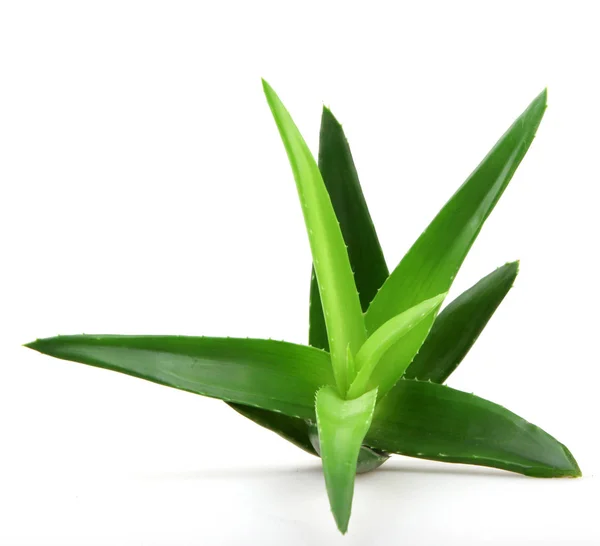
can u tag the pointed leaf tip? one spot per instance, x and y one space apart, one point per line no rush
342 426
458 326
370 372
329 117
423 419
271 375
364 251
433 261
343 315
574 471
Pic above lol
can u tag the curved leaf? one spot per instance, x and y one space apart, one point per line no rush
458 326
268 374
430 421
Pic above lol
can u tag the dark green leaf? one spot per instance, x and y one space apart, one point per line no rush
292 429
366 257
431 264
272 375
458 326
303 434
430 421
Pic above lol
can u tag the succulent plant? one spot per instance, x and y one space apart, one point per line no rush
370 383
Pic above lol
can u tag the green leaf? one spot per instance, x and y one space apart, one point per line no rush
366 257
431 264
430 421
292 429
367 261
343 314
368 459
272 375
458 326
342 426
372 351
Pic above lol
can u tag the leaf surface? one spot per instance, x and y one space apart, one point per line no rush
418 419
271 375
292 429
342 425
343 314
368 458
458 326
430 421
367 261
431 264
368 357
364 251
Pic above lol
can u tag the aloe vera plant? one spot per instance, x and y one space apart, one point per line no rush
370 383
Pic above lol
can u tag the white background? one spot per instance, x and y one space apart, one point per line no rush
144 189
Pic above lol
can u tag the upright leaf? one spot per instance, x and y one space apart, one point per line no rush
342 426
343 314
272 375
431 264
364 251
458 326
430 421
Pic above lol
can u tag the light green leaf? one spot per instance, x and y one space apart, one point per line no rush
272 375
370 374
366 258
342 426
294 430
431 264
343 314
